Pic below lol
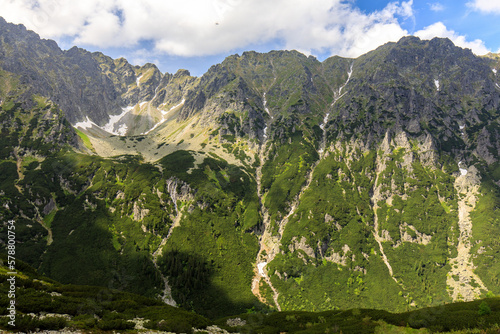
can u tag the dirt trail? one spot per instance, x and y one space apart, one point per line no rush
268 244
463 282
166 296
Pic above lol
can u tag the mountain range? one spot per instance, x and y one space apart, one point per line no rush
274 181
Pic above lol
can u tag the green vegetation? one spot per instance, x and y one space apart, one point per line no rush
113 213
332 214
330 259
85 307
85 139
284 175
363 209
485 228
212 241
91 308
428 192
458 317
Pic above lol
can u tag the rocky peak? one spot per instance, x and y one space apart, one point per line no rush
182 73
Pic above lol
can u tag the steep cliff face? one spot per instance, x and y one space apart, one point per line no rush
417 86
72 79
87 86
389 200
272 179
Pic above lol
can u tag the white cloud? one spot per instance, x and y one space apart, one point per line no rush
488 6
207 27
141 57
439 30
101 29
436 7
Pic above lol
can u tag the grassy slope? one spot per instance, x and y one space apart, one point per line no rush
88 307
91 308
214 237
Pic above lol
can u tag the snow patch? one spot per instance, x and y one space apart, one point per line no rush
342 87
461 127
164 113
265 104
436 82
260 267
113 120
463 171
142 103
138 80
325 120
85 124
336 97
497 85
122 130
494 70
110 126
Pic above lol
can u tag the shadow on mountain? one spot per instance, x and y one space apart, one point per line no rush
86 252
191 278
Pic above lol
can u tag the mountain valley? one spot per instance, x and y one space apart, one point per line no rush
274 182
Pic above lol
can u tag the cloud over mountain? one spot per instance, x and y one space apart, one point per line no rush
200 27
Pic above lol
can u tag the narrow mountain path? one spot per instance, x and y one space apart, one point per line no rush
296 202
375 198
269 242
166 295
463 282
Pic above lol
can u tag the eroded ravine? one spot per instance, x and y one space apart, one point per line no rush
269 242
464 284
172 185
376 197
336 96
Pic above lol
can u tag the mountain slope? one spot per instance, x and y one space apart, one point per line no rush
272 181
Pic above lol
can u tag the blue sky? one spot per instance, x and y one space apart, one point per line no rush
195 34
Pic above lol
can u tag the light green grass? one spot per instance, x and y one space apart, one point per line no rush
85 139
